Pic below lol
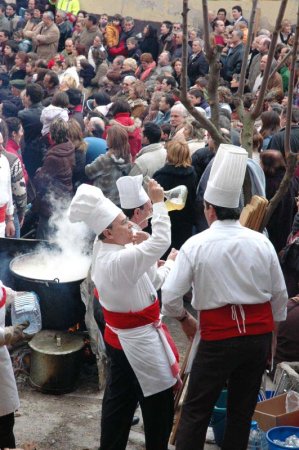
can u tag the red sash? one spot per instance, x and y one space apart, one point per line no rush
2 213
130 319
223 323
3 300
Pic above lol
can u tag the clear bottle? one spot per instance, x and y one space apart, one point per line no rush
257 438
176 198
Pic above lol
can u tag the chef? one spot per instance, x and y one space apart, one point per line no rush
238 292
137 206
9 399
143 358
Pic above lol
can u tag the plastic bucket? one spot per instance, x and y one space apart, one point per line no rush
281 433
218 418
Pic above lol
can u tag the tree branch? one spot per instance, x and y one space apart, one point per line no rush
282 190
247 49
281 63
185 52
259 104
287 137
208 49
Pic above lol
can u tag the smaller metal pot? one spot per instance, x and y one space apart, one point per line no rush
55 361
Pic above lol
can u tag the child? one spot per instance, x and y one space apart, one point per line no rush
133 49
113 31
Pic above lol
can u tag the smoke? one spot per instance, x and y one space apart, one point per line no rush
68 257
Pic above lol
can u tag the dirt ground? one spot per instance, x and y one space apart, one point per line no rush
72 421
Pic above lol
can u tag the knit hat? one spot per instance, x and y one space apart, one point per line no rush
227 176
89 205
131 193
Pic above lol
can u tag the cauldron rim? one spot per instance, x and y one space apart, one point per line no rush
54 281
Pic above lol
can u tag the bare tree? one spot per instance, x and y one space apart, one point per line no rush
213 57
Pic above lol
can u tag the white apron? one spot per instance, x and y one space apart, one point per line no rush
9 399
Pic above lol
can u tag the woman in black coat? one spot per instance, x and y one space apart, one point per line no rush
179 171
150 43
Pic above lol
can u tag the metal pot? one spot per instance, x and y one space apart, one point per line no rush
60 302
55 361
11 247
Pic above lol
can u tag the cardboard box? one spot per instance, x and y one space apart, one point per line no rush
272 413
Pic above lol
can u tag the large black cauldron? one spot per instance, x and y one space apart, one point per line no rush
60 302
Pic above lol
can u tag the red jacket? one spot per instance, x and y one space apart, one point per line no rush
132 128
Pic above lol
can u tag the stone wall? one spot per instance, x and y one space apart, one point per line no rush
158 10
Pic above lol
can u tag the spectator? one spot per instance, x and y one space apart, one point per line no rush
150 43
121 113
128 30
18 71
153 154
178 171
137 100
65 28
165 105
133 50
69 48
270 125
30 117
113 31
75 135
146 68
75 106
53 181
237 15
164 64
13 145
277 140
106 169
166 38
197 63
97 45
46 36
57 109
280 223
90 32
233 61
178 51
71 7
4 22
50 83
221 15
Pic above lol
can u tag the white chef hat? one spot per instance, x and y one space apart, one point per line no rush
89 205
227 176
131 193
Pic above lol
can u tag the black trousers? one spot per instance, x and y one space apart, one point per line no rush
121 396
240 362
7 438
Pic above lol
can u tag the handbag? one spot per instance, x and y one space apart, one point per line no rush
289 256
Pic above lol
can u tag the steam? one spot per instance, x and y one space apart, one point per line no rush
69 255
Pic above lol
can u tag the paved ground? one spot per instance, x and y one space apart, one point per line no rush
72 421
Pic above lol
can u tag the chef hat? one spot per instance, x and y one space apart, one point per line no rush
227 176
131 193
89 205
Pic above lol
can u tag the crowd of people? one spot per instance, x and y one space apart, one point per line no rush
88 101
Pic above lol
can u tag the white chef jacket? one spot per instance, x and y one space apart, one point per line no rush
9 399
226 264
121 277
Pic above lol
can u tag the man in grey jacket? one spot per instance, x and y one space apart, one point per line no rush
152 156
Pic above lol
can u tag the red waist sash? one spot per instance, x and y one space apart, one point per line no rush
2 213
236 320
3 300
127 320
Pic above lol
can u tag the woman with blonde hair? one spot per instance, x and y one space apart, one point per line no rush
137 99
179 171
105 170
67 82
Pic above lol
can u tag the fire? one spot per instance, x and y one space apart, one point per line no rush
74 328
